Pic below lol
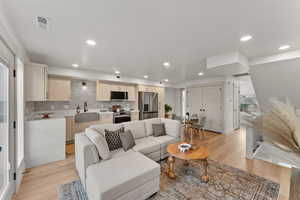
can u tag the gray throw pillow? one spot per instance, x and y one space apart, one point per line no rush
113 139
127 140
158 130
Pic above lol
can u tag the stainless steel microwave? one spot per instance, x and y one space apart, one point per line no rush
117 95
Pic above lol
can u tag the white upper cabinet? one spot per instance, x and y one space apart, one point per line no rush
36 78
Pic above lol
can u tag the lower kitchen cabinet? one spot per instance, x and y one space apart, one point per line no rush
44 141
134 116
73 128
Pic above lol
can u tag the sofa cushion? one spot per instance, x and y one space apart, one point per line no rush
113 178
146 145
148 125
100 143
101 127
158 130
173 127
120 152
164 141
113 138
137 128
127 140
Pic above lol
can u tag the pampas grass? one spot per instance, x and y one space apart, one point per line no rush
280 126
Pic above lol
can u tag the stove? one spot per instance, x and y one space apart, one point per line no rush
121 116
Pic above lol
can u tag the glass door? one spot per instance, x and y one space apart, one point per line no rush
4 129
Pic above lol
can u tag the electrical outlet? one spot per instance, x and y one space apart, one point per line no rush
52 107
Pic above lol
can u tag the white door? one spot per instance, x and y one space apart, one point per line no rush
213 107
194 98
236 105
5 164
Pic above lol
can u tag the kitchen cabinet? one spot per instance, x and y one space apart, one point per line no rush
73 128
104 89
161 101
59 89
45 141
131 93
106 118
36 79
134 116
147 88
70 124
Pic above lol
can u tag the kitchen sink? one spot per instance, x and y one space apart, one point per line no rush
87 117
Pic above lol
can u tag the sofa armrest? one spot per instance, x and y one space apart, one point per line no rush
86 154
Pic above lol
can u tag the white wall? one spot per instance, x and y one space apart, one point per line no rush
9 36
277 80
173 98
246 86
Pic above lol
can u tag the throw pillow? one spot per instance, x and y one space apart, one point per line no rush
127 140
113 139
158 130
99 141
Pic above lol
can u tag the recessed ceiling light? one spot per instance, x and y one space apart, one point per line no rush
117 72
246 38
167 64
200 73
75 65
90 42
284 47
166 80
146 76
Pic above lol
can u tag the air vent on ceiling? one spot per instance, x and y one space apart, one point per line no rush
43 22
242 74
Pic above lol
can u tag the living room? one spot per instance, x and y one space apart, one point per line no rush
149 100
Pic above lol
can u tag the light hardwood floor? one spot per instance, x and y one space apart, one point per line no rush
40 183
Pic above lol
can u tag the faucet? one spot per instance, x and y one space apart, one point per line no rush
85 109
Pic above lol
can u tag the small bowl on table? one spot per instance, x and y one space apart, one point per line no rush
184 147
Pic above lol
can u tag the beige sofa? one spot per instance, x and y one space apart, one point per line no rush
130 175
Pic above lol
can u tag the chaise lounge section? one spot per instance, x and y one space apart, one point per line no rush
131 174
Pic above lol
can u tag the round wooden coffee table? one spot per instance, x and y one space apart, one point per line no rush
201 153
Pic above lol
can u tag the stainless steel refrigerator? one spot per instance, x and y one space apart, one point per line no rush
148 105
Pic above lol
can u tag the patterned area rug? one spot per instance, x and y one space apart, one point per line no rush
226 183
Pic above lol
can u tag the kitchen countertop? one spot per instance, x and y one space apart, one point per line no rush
56 114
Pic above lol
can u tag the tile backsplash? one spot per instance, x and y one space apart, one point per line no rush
79 96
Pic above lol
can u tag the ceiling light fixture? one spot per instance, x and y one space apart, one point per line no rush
166 80
246 38
91 42
284 47
146 76
200 73
117 72
75 65
167 65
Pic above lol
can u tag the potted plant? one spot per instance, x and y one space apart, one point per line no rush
168 109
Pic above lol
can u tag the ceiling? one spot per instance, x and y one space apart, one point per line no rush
137 36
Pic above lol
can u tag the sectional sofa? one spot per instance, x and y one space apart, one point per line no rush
127 175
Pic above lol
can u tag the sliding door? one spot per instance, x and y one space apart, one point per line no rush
4 130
